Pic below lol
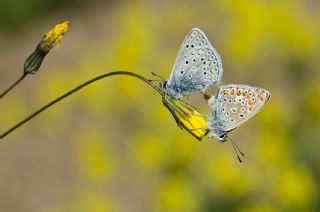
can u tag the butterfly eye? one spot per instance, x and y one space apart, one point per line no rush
222 137
164 85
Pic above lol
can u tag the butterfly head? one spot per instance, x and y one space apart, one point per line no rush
164 85
171 90
220 136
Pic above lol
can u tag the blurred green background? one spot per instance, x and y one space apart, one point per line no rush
114 147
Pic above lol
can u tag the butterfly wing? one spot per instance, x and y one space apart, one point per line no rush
197 66
235 104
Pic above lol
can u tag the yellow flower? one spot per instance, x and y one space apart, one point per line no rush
49 40
53 37
186 116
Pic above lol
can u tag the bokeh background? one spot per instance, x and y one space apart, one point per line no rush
114 147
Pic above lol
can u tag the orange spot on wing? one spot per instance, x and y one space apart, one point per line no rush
239 93
225 92
232 92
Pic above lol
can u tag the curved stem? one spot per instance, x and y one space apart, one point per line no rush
13 85
149 82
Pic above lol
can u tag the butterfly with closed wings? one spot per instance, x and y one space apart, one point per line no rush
232 106
197 67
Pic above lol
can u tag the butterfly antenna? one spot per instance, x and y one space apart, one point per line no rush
189 102
154 74
237 150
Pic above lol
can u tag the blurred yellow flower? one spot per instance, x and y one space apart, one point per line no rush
49 40
53 37
186 116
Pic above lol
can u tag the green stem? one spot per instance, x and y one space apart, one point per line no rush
13 85
149 82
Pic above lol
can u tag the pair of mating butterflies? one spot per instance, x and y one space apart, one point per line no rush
197 67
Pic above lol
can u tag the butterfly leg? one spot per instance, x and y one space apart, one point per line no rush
189 103
194 114
201 115
190 107
200 128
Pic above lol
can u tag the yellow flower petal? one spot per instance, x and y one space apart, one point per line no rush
186 116
53 37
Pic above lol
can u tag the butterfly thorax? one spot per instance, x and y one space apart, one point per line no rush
215 130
